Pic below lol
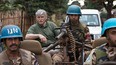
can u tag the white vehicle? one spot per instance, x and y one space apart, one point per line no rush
91 17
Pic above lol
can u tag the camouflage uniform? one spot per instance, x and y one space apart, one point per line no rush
81 34
26 58
101 54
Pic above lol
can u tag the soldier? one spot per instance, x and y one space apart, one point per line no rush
11 36
107 51
79 31
74 13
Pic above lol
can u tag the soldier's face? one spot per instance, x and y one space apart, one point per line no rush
12 44
74 17
112 36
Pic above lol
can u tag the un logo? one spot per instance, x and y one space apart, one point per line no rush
12 30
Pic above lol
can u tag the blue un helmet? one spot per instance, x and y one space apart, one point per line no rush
11 31
74 9
110 23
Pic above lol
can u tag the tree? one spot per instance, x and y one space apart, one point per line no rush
98 4
9 5
30 6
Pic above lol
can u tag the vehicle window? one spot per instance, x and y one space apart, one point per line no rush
90 19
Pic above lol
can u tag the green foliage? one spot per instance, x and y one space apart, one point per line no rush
103 15
53 6
99 4
93 4
31 6
9 6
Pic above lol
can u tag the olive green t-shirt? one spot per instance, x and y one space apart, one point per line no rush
48 31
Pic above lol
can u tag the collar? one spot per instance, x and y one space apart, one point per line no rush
43 26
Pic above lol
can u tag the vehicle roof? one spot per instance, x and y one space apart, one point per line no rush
90 11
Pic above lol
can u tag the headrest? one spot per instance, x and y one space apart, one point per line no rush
32 45
98 42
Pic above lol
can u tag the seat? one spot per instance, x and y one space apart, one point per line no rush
98 42
35 47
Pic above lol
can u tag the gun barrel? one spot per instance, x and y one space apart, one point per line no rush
51 46
60 35
84 45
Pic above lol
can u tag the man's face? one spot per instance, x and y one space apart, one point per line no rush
13 44
112 36
41 19
74 17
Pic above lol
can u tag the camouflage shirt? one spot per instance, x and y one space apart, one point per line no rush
26 58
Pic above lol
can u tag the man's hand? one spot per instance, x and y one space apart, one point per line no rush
42 38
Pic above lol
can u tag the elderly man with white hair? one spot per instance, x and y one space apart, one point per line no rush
44 30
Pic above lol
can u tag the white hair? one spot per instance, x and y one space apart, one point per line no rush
41 12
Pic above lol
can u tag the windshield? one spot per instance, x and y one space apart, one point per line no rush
90 19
